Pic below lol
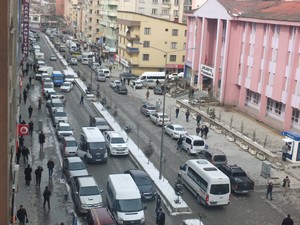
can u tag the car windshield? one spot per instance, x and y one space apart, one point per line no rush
66 85
131 205
77 166
198 143
179 129
219 189
58 77
69 76
99 123
142 181
65 128
96 145
151 108
71 143
86 191
60 114
117 140
164 116
48 86
117 82
57 104
220 158
239 174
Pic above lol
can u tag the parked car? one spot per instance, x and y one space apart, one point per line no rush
100 216
47 86
66 87
53 58
121 89
63 130
105 71
193 144
175 130
239 180
101 77
128 76
53 104
115 143
95 66
214 156
144 183
114 83
73 61
73 166
100 123
157 90
59 115
147 109
157 118
68 146
85 61
138 84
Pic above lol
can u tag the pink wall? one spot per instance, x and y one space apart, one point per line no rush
59 7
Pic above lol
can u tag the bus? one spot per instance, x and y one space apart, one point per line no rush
149 79
210 186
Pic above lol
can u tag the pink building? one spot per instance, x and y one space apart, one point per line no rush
249 52
60 7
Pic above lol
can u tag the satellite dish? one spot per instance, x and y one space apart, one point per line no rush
129 45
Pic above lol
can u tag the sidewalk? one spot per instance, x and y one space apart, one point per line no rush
32 196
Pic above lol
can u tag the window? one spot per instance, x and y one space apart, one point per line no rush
269 105
145 57
252 97
176 2
175 13
274 107
154 1
172 58
185 33
173 45
147 30
154 12
278 107
165 11
183 58
295 116
174 32
197 179
146 44
141 10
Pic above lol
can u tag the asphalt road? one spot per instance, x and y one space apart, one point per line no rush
250 209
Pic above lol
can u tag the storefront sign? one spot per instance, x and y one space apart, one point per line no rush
25 27
124 62
207 71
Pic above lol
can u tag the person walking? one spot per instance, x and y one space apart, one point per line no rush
286 185
204 131
198 119
22 215
40 102
21 142
30 79
128 81
158 204
177 112
198 129
46 195
288 220
285 150
179 143
147 94
50 166
270 190
187 115
18 154
30 127
160 217
25 153
38 175
81 100
42 140
27 173
30 110
25 96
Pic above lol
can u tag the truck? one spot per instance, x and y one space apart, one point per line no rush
41 70
58 78
239 180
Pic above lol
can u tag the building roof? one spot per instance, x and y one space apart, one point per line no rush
265 10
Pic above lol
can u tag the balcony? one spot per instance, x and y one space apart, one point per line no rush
113 25
132 37
112 13
112 2
131 50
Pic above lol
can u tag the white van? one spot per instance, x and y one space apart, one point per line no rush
92 146
210 186
149 79
70 76
41 70
105 71
123 199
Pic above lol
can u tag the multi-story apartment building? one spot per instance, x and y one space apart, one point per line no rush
141 46
249 53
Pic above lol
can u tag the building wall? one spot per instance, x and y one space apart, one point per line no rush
255 63
59 7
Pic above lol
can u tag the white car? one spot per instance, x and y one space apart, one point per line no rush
68 146
157 118
85 61
73 61
175 131
115 143
53 58
47 86
74 167
138 84
114 83
66 87
59 115
95 66
63 130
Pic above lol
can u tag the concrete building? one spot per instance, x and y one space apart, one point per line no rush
141 46
59 7
249 53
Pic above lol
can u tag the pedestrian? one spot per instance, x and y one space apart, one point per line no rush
270 190
128 81
23 122
192 92
285 150
40 102
204 131
134 86
20 118
198 119
27 65
26 71
18 154
288 220
21 142
81 100
147 94
179 143
286 185
22 215
187 115
38 175
30 127
27 173
25 153
160 217
110 68
50 166
158 104
157 82
158 204
28 87
30 110
24 95
47 194
177 111
42 140
30 79
198 129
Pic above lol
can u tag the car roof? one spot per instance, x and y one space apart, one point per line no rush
215 150
56 100
160 114
195 137
67 82
149 105
103 215
100 119
63 124
87 181
177 125
137 173
73 159
113 134
60 109
69 138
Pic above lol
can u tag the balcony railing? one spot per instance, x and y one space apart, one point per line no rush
112 13
132 50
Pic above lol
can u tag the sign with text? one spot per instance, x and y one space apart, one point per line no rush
207 71
25 27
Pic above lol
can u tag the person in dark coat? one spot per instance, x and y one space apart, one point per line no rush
179 143
187 115
198 119
30 128
30 110
204 131
42 140
160 217
288 220
24 96
177 112
27 173
38 175
30 79
22 215
18 154
25 153
23 122
50 166
46 195
269 190
198 129
21 142
81 100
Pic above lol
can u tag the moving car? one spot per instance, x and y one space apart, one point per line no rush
114 83
105 71
157 118
138 84
63 130
66 87
100 123
128 76
144 183
95 66
147 109
68 146
73 61
47 86
115 143
53 58
175 130
121 89
85 61
74 167
101 77
157 90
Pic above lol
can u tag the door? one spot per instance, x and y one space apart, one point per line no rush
81 151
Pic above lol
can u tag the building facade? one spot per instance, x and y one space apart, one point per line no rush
141 47
59 7
249 52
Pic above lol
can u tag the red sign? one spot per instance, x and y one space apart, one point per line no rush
23 129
